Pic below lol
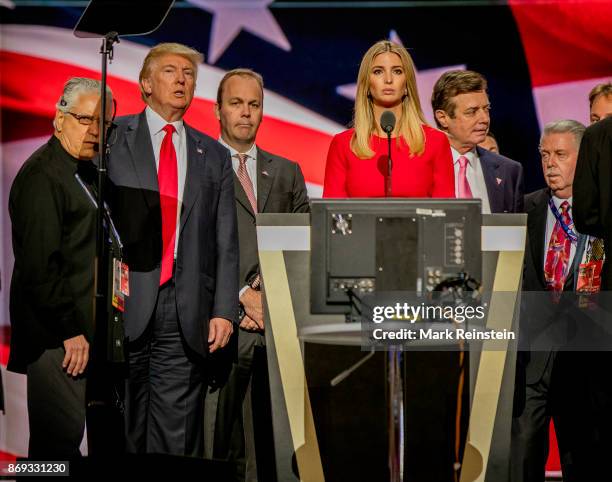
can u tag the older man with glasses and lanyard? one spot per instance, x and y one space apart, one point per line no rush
54 242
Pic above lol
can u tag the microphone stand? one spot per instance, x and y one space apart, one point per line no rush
106 371
388 183
107 54
105 431
395 391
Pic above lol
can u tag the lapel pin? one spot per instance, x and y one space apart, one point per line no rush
499 181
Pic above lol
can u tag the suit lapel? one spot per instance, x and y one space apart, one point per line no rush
266 170
536 221
580 247
490 170
138 140
193 174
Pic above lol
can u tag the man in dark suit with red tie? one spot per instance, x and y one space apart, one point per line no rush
264 183
173 198
461 109
549 381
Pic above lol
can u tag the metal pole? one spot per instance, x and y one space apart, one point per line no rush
107 52
395 414
388 184
97 401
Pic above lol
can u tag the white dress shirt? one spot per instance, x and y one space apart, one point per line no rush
550 226
251 162
179 139
475 177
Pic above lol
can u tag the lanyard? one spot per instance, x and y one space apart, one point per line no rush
106 212
568 230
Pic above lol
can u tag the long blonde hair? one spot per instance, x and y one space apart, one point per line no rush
412 119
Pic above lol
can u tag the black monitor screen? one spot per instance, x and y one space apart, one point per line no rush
368 245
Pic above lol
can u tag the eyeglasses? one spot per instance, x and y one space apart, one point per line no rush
88 120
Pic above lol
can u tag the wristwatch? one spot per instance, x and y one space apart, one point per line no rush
254 282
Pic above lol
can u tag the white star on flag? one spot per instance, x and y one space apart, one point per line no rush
232 16
426 80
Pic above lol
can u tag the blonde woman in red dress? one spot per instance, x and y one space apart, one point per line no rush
357 158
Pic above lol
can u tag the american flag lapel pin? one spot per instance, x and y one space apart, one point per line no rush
498 180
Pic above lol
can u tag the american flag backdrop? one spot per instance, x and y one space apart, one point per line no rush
541 58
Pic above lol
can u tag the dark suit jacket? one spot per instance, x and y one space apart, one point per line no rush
537 314
593 215
280 189
206 271
505 195
593 189
53 227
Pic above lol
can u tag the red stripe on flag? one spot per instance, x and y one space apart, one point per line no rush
565 40
4 352
7 457
554 462
5 340
34 95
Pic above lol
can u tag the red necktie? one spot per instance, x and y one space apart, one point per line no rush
463 191
558 253
167 175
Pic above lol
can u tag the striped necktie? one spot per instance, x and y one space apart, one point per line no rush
245 181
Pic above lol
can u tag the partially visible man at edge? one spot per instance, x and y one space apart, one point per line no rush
600 102
592 215
490 143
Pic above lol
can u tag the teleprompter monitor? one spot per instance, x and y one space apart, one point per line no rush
364 246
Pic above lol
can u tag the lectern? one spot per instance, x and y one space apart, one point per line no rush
284 243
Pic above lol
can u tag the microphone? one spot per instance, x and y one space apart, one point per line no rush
387 123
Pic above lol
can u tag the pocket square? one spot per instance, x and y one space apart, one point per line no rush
265 173
199 150
498 180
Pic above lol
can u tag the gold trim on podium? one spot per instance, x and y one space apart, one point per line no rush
293 378
506 286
